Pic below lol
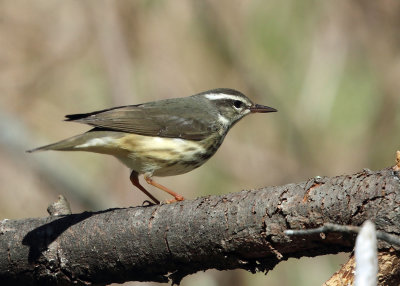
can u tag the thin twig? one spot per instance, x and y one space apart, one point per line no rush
331 227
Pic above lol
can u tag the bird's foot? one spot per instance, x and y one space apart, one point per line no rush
148 203
178 198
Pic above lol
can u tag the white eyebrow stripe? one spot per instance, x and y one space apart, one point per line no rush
217 96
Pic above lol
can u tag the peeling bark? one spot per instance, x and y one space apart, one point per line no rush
389 270
167 242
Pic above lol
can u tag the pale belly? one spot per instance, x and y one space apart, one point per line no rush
155 156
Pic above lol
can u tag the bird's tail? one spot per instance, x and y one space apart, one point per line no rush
68 144
98 141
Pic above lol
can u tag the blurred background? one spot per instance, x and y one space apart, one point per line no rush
331 68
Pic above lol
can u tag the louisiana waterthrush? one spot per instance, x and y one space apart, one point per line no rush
162 138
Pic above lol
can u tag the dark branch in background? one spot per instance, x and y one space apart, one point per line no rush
167 242
57 174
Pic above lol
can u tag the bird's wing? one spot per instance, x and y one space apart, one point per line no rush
172 121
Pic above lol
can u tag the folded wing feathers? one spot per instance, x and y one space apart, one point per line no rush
143 121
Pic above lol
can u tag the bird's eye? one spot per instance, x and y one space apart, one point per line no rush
237 104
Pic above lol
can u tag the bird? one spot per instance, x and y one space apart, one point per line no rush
161 138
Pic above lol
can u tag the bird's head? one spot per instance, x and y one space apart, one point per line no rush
232 105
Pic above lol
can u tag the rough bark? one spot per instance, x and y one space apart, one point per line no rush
237 230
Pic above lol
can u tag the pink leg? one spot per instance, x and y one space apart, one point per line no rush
135 181
165 189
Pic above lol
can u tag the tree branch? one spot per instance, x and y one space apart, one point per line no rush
238 230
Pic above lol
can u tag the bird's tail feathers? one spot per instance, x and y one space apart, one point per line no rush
68 144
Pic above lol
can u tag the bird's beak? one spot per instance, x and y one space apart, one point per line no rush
257 108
